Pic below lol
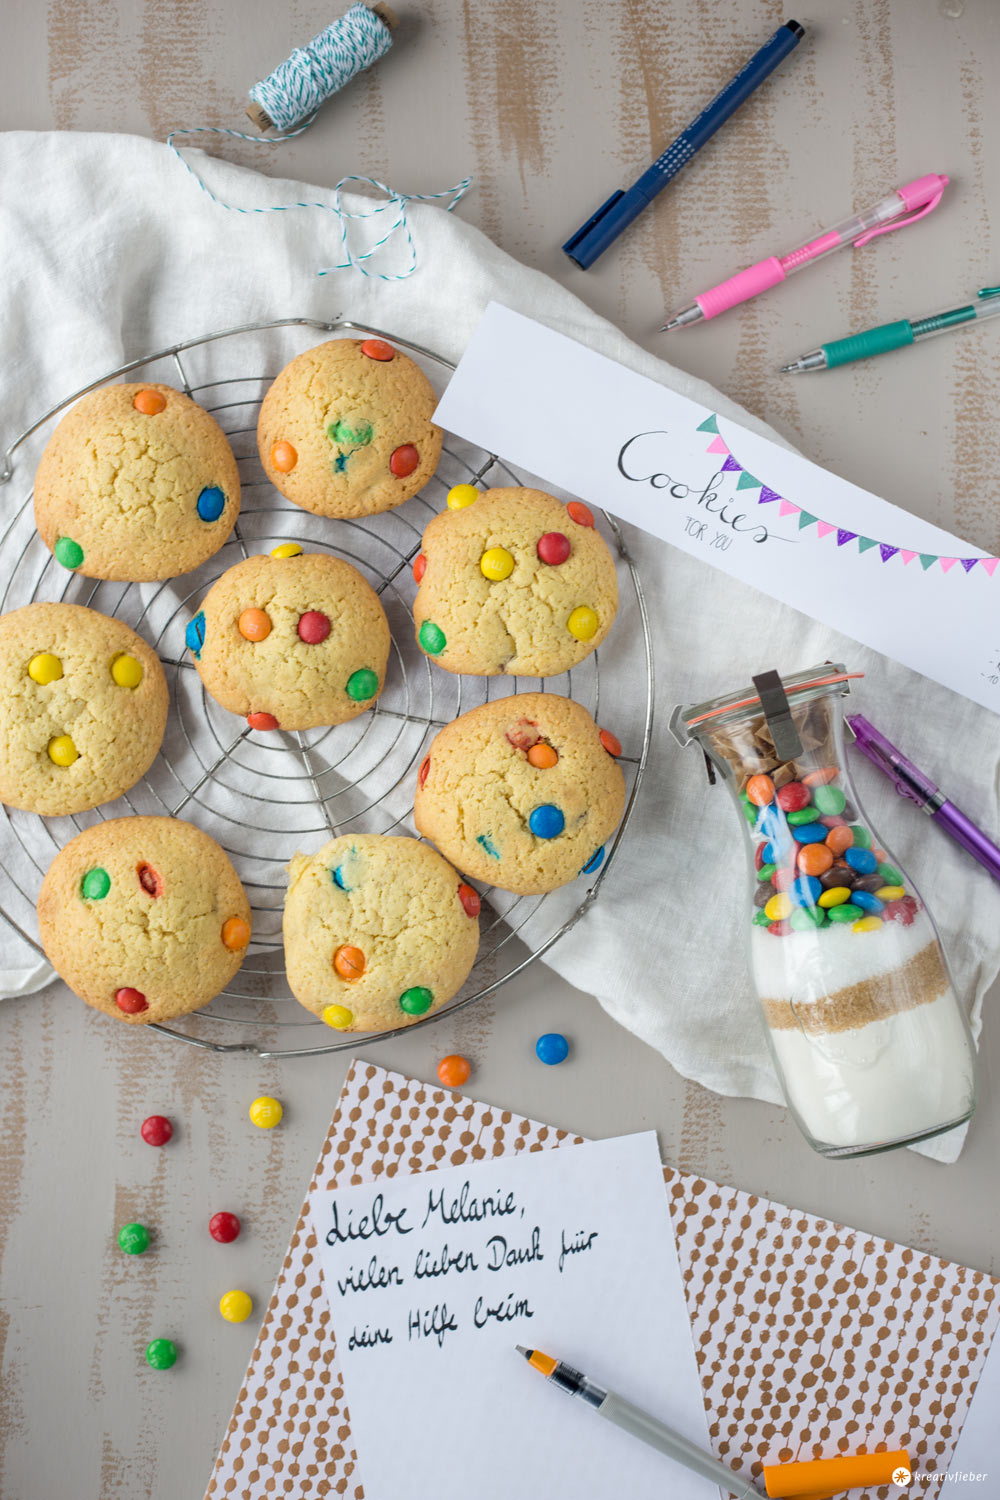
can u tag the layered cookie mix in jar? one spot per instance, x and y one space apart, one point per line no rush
869 1039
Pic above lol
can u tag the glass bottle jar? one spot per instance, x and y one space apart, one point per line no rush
870 1042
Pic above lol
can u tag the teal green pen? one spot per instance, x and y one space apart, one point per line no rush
889 336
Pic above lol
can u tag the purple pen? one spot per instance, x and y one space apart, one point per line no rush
911 782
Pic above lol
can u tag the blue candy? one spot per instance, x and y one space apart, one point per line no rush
194 635
809 833
806 890
862 860
770 821
867 901
211 503
488 845
777 852
552 1048
338 878
594 862
546 822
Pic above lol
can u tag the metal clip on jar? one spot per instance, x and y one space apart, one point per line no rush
870 1042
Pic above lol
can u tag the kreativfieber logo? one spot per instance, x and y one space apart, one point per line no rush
901 1476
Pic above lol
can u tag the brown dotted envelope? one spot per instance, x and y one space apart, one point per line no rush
812 1339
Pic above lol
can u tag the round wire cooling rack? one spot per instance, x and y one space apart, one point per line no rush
266 797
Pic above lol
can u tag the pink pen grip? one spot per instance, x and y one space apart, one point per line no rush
742 286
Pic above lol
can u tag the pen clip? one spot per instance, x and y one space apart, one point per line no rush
928 208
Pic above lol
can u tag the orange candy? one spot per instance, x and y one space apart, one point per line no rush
349 962
542 756
378 349
149 402
821 777
611 742
254 624
760 790
261 720
839 839
454 1070
580 513
235 933
284 457
815 859
419 567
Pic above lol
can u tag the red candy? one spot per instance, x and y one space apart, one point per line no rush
262 721
156 1130
470 900
902 911
793 797
149 880
758 856
404 460
132 1002
224 1228
580 513
425 766
780 929
378 349
553 548
523 734
314 627
834 820
783 879
419 567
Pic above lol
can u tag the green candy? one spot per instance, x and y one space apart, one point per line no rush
761 919
804 917
803 815
95 885
830 801
845 913
362 684
345 435
432 638
161 1354
891 875
766 871
749 811
68 552
862 838
133 1239
417 1000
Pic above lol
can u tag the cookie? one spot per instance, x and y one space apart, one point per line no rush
137 483
379 931
515 582
346 430
144 918
84 706
291 642
522 792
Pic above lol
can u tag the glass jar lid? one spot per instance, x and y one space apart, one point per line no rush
734 708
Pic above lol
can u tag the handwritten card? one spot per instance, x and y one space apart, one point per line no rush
433 1279
736 500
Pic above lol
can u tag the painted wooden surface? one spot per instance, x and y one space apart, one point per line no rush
549 107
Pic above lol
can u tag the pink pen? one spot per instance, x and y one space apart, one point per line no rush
915 199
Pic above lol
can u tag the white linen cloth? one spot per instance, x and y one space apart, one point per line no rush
110 250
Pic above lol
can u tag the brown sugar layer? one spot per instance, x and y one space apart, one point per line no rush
920 980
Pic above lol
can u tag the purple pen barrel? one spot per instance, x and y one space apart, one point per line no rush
969 836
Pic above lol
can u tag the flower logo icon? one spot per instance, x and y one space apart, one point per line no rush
901 1476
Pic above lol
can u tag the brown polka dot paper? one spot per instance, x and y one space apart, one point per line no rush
812 1340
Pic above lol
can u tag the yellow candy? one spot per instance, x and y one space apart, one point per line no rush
891 893
835 896
779 907
287 549
583 622
45 668
461 495
126 671
266 1112
62 750
867 924
236 1306
338 1016
496 563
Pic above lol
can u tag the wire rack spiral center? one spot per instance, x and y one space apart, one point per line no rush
267 796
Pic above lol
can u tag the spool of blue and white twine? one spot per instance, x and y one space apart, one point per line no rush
289 98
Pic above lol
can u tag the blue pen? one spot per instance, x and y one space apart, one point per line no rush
623 206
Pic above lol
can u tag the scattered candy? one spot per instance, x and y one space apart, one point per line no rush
461 495
283 458
432 638
378 349
133 1239
156 1130
287 549
45 668
68 552
611 742
404 460
552 1048
149 402
422 774
553 548
266 1112
211 503
580 513
760 790
546 821
132 1002
224 1227
338 1017
419 566
595 862
583 623
235 933
349 962
261 720
496 564
62 751
236 1306
313 627
470 899
454 1070
96 884
362 685
194 635
793 796
161 1354
417 1000
254 625
543 756
126 671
